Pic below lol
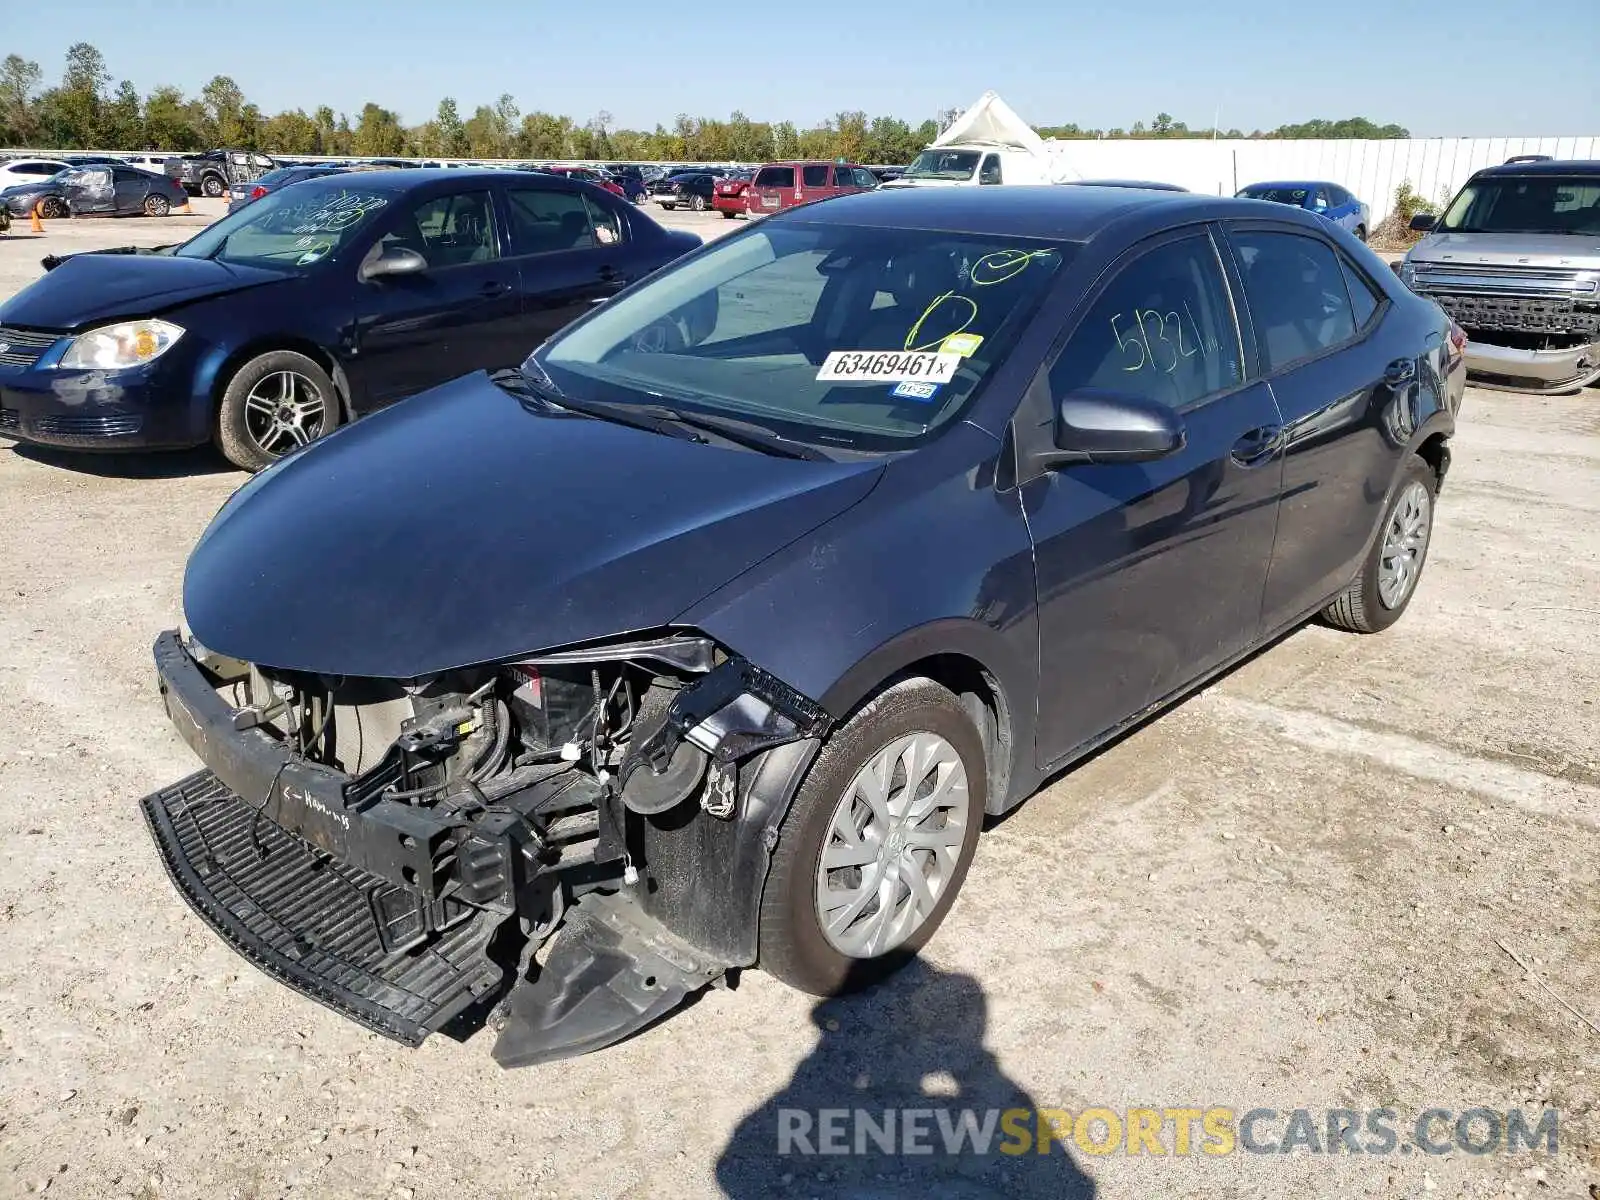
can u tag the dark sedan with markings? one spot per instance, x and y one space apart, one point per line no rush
96 190
311 306
712 635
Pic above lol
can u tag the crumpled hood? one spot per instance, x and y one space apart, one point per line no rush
87 289
458 528
1575 250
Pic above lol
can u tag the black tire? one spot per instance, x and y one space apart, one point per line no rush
728 216
793 946
53 208
1361 233
1360 608
156 205
235 438
698 203
669 207
212 186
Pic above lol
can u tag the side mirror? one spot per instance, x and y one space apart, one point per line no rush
1113 427
1423 222
396 260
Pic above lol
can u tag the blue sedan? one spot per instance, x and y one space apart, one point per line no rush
311 306
1327 200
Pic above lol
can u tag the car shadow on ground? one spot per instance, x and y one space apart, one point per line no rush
900 1066
153 464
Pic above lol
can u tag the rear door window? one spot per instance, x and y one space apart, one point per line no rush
544 222
814 175
1162 329
1299 302
775 177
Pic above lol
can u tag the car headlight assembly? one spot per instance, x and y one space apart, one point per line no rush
125 344
1408 273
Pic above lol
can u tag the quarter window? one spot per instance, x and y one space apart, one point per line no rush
775 177
1364 299
1162 329
1298 298
543 222
815 175
991 170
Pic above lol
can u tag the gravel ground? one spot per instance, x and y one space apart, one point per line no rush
1284 893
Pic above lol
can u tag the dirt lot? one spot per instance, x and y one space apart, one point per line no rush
1286 893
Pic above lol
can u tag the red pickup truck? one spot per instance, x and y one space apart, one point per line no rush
782 185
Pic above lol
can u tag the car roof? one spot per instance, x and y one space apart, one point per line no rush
405 179
1289 183
1556 166
809 162
1148 185
1022 210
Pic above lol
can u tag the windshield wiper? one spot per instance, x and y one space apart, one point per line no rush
745 433
658 418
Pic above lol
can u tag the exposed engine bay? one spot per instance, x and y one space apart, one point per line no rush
470 815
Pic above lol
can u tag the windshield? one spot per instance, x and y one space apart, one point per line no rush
291 229
862 338
1526 204
943 164
1278 195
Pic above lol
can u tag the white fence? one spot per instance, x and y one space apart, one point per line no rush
1435 167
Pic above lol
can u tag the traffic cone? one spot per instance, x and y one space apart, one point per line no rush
37 225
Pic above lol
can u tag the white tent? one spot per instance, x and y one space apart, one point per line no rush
993 122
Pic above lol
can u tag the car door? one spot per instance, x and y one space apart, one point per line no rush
1336 370
812 183
571 251
93 190
1150 574
461 314
129 188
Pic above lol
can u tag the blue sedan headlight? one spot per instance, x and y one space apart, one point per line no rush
125 344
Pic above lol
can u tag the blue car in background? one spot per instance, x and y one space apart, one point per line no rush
1326 199
240 194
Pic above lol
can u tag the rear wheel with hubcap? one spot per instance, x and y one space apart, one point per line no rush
1388 578
698 203
275 403
156 206
212 186
877 842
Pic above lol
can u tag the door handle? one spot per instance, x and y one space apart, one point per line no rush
609 274
494 288
1401 370
1258 446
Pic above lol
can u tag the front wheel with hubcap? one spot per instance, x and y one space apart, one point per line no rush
1388 577
275 403
53 208
698 204
877 842
212 186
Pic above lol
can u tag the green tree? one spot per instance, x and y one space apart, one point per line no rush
543 136
291 132
377 133
122 124
19 83
450 139
785 140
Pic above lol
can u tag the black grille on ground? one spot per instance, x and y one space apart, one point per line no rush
311 921
22 347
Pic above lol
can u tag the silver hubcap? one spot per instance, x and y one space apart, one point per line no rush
1405 541
892 846
282 411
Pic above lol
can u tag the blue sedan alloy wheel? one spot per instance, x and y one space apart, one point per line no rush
275 403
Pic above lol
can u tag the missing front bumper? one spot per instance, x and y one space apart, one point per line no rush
330 930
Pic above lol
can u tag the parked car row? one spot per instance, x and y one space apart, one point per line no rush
94 189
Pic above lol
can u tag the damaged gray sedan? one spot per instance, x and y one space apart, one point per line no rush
710 636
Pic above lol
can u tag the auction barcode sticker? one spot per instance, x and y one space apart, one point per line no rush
889 366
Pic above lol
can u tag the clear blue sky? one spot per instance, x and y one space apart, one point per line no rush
1470 67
